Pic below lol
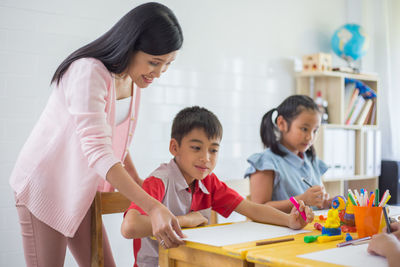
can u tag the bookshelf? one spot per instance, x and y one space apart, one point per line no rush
351 151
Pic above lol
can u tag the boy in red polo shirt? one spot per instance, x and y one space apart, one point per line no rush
187 186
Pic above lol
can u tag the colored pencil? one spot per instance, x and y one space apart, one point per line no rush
261 243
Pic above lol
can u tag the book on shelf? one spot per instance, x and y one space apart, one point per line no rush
369 149
365 90
364 112
377 153
372 121
351 94
339 152
356 109
328 149
368 118
350 152
361 104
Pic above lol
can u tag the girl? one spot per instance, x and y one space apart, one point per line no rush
277 174
79 145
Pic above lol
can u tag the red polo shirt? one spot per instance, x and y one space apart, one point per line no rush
167 185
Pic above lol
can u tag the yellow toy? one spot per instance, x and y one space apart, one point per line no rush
333 220
332 224
323 239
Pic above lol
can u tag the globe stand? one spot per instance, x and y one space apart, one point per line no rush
352 64
350 68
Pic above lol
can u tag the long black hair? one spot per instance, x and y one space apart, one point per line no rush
289 109
151 28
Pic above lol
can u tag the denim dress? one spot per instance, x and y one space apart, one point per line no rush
289 171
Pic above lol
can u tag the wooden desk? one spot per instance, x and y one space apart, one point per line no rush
285 254
196 254
187 255
246 254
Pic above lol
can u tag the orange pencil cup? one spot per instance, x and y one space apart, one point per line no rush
368 220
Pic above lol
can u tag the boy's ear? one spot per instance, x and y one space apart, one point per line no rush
281 123
173 146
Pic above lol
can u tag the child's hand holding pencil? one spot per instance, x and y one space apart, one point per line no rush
300 215
396 229
315 195
384 244
387 245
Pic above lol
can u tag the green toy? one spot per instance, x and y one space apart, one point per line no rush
311 238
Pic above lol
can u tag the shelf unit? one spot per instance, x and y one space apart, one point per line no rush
332 87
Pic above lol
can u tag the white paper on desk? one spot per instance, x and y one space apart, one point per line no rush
236 233
349 256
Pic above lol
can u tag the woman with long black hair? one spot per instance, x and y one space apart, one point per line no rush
79 145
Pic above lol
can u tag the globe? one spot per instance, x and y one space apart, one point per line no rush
350 42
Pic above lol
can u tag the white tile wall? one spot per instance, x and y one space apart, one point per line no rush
236 61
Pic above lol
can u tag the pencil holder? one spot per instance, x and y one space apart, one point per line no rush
368 220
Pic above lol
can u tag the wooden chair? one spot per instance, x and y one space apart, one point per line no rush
103 203
242 186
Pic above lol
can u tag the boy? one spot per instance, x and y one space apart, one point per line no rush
187 186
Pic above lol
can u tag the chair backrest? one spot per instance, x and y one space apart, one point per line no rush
103 203
242 186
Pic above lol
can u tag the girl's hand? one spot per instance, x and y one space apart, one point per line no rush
314 196
384 244
327 201
192 219
295 219
165 225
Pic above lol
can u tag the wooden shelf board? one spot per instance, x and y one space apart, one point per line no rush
348 178
361 76
349 127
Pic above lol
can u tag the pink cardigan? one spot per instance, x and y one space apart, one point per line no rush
71 148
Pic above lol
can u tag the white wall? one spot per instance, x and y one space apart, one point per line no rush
236 61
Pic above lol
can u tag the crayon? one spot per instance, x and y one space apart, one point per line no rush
261 243
297 205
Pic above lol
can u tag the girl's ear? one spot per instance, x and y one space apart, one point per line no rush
173 146
281 123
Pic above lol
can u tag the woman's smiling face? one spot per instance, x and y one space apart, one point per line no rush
144 68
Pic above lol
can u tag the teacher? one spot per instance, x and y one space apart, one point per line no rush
79 145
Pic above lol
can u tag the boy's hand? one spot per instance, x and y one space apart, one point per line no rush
295 219
192 219
314 196
165 225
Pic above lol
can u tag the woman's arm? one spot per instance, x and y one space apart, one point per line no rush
86 89
130 168
164 224
136 225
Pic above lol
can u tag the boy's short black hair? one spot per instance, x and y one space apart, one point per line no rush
192 118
